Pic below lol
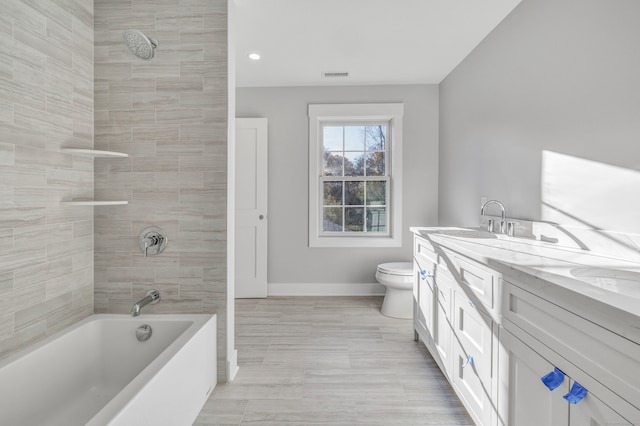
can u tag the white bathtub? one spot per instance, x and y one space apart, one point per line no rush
96 372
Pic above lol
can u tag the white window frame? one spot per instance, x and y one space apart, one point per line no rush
346 114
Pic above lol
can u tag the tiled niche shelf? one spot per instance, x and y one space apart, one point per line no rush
95 153
81 202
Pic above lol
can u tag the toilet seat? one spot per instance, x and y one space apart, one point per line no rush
404 269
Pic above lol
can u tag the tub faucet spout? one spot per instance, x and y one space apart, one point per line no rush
152 297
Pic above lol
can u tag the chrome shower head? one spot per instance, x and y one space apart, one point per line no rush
139 44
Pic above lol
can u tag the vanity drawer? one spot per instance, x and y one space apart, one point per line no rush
428 257
607 357
474 277
424 247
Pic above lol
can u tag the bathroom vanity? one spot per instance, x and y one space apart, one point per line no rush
499 313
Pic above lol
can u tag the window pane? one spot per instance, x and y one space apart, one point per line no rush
375 163
332 219
354 138
376 219
354 163
354 193
332 193
332 138
332 164
376 193
376 138
354 219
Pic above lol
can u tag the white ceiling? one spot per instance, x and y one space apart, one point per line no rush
376 41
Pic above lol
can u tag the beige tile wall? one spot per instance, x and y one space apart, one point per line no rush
170 115
46 102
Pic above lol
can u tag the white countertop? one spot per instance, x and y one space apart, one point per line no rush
607 280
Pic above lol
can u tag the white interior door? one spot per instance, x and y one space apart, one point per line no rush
251 208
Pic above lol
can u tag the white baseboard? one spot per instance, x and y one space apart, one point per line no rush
325 289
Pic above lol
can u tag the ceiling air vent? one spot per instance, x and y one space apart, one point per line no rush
335 74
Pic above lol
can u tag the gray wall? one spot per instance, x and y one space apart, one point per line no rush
555 76
170 115
46 102
290 258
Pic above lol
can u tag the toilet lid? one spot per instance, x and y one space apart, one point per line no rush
396 268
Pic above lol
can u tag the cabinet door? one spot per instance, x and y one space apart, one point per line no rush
593 412
530 402
472 358
425 313
442 336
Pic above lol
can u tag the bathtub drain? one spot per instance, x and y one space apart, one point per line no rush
143 333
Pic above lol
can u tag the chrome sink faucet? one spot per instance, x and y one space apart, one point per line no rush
152 297
503 216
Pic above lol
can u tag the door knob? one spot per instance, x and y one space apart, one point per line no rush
261 217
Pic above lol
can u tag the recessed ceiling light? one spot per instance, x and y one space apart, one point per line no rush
254 56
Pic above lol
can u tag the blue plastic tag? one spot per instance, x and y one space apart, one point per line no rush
553 379
576 394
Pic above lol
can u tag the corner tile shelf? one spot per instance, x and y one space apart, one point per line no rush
93 203
95 152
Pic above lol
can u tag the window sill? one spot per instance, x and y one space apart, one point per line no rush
349 242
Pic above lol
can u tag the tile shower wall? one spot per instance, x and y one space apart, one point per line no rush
170 115
46 102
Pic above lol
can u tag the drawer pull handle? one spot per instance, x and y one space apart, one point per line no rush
553 379
468 361
576 394
424 274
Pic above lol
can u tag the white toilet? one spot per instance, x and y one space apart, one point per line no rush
398 278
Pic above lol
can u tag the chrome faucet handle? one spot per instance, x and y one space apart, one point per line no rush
152 241
511 228
490 226
152 237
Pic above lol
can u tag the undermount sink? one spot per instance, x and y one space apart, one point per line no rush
615 280
466 233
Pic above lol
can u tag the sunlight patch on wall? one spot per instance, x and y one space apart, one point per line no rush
589 194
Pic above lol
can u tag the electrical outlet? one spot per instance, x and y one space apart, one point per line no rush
483 219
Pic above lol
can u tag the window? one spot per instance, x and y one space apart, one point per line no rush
355 156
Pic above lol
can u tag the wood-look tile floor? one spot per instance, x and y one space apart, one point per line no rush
330 361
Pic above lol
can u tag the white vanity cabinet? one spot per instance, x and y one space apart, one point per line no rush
495 336
455 296
530 402
603 362
473 347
